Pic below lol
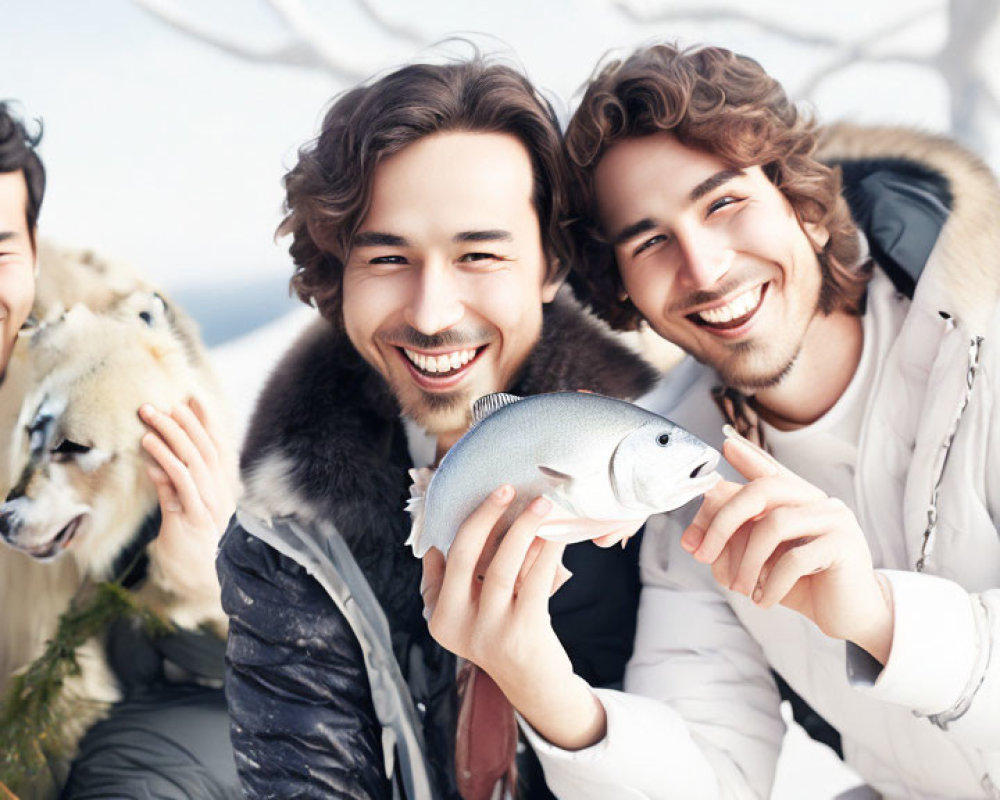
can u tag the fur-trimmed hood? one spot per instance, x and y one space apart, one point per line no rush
963 271
326 435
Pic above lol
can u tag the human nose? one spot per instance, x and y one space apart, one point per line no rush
437 302
706 259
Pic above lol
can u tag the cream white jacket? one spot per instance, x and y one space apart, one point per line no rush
700 714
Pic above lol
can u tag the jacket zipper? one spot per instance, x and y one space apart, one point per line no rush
929 537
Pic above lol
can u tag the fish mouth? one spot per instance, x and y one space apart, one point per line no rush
57 544
702 483
441 370
702 478
704 467
732 317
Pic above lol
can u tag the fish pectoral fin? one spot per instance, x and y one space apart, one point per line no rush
421 478
554 477
489 403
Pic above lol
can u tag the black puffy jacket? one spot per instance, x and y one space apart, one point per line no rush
326 447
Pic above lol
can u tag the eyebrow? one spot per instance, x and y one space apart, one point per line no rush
647 224
5 235
483 236
381 239
634 229
714 182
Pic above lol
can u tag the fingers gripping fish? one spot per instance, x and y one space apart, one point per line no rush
605 464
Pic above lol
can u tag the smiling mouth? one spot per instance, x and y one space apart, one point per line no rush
443 366
58 543
735 313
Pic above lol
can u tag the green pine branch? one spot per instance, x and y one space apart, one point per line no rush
32 713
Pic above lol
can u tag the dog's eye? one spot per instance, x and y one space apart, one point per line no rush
68 448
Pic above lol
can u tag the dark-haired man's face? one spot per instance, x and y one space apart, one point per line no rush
713 257
444 286
17 261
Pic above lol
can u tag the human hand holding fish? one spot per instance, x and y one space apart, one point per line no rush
497 617
779 539
577 466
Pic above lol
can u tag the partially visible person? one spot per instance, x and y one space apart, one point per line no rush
164 738
858 556
22 187
427 227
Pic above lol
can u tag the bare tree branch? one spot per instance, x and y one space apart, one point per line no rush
723 14
969 22
860 51
991 98
857 57
850 52
395 28
302 25
293 54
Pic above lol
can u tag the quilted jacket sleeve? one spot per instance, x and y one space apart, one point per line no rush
302 720
700 715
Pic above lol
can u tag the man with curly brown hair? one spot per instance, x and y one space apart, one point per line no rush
858 555
426 225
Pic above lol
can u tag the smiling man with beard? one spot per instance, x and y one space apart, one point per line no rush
427 227
857 557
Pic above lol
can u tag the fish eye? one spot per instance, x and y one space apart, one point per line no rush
663 439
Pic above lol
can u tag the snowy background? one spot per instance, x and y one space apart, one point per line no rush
169 125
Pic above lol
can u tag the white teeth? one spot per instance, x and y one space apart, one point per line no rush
440 363
739 306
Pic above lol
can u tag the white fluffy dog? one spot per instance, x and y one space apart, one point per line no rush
76 486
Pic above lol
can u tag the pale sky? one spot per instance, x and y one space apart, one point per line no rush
168 153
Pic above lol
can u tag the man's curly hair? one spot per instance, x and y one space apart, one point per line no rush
713 100
328 192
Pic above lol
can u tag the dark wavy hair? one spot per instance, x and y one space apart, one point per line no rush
717 101
17 152
328 192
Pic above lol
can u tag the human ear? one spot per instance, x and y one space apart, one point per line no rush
32 239
817 234
555 274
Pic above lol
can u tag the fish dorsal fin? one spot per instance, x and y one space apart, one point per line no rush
554 477
489 403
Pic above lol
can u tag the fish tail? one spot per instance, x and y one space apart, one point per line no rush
421 477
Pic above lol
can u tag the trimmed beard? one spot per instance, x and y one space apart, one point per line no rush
440 413
751 384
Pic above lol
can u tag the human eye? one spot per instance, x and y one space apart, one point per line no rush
646 244
481 259
722 202
385 264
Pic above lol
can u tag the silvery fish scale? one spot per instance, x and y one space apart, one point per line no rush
564 445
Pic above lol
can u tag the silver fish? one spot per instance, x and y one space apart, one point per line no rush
606 464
